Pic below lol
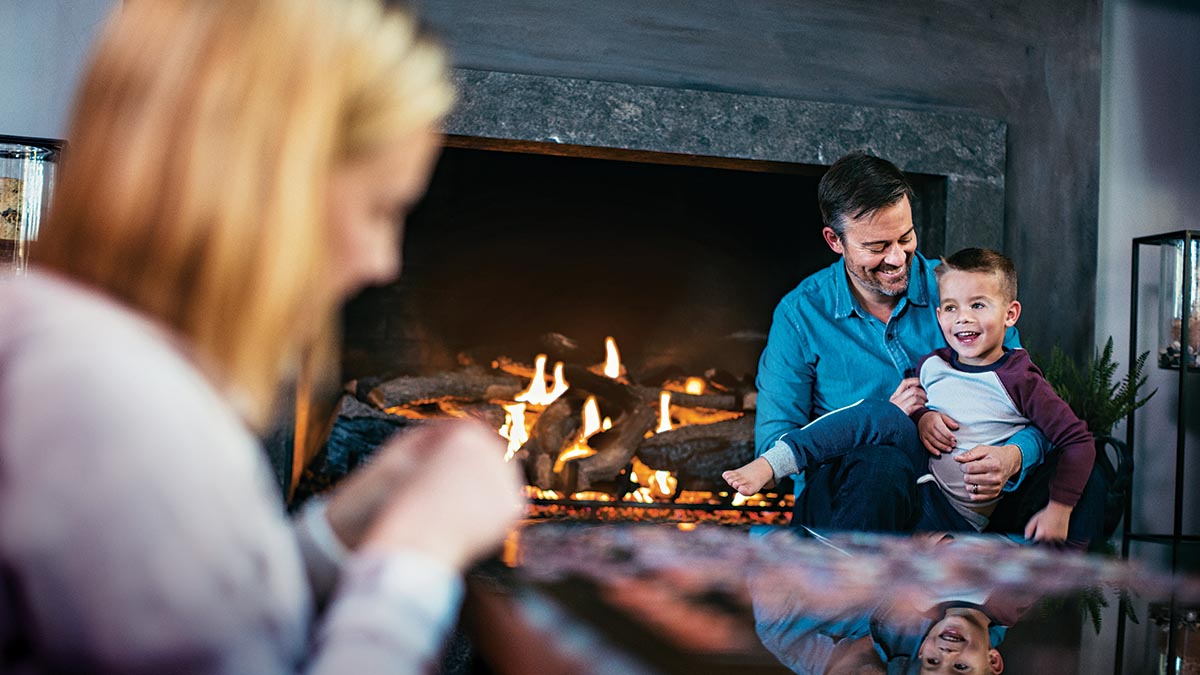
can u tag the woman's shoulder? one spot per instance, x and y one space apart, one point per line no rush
70 353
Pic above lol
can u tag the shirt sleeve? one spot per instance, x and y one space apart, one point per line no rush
390 615
786 372
1035 398
323 553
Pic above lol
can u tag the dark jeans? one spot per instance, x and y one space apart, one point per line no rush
861 464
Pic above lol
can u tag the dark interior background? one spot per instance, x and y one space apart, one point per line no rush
682 264
1033 64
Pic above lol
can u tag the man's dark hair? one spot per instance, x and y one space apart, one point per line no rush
859 184
983 260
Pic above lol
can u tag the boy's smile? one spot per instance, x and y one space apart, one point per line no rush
974 315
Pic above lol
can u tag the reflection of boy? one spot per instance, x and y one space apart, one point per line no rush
991 392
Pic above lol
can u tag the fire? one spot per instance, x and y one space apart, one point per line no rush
664 484
514 428
591 426
591 418
664 412
612 360
694 386
536 394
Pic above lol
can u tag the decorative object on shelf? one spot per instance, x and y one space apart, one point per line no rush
1180 272
27 169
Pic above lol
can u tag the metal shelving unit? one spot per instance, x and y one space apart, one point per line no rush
1175 539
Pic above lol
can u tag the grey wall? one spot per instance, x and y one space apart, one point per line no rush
43 46
1032 64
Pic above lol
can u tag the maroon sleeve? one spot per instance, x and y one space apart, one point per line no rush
1035 399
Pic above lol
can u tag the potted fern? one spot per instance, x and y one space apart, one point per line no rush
1101 401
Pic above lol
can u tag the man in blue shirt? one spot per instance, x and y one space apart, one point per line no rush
856 330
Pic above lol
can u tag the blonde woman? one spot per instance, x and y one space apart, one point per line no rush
238 168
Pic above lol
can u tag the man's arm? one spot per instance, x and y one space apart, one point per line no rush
786 372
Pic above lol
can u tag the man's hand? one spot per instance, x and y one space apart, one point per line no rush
909 395
1049 524
937 433
986 468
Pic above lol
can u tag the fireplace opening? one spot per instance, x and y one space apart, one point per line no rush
521 249
682 263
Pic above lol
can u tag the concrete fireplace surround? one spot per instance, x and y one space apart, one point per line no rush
567 116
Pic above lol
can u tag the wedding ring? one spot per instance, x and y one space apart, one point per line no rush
975 488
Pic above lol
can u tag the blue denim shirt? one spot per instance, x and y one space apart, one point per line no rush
825 352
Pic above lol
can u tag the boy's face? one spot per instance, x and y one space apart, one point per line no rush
974 314
959 644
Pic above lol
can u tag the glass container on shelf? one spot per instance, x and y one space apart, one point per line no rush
27 168
1179 275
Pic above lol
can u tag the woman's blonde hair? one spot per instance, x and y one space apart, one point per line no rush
201 148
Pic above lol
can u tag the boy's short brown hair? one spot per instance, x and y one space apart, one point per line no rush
983 260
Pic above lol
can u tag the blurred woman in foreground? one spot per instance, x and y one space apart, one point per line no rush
237 169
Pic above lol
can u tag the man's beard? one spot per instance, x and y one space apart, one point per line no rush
892 292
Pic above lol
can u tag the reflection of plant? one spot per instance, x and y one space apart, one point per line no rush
1090 390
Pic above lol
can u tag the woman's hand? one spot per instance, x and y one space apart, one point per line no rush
442 489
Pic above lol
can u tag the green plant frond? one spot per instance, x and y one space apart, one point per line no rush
1091 391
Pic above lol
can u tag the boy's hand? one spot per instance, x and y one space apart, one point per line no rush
1049 524
936 431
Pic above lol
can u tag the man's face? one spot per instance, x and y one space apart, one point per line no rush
878 249
959 643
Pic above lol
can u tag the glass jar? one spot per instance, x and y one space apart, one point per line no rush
26 181
1176 276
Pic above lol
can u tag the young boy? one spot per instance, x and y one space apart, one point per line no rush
979 393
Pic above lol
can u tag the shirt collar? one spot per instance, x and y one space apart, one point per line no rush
844 303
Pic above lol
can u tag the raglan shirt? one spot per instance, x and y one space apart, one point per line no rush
990 404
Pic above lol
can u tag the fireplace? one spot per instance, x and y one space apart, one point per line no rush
567 212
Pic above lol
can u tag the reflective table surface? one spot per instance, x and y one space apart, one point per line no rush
637 598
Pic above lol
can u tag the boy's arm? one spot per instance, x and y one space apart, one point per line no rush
1035 398
1032 443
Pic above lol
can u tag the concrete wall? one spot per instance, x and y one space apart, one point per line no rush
1034 65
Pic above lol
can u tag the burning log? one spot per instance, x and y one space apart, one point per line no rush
698 454
734 402
614 448
555 429
462 385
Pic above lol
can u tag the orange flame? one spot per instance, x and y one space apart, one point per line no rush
536 394
694 386
591 426
612 360
664 412
514 428
664 484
